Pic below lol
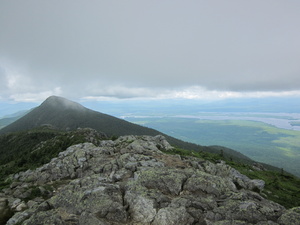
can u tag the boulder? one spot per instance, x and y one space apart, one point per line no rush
176 216
5 211
291 216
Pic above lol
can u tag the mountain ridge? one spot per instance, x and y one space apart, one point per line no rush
68 115
63 114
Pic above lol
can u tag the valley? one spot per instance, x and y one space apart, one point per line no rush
268 138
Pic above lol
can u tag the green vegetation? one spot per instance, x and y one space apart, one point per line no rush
280 187
25 150
16 150
30 149
259 141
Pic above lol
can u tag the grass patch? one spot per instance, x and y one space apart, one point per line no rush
282 188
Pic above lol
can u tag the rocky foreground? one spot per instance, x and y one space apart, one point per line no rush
131 181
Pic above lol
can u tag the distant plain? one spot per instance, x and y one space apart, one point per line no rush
261 141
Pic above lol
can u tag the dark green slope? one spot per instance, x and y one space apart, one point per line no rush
32 148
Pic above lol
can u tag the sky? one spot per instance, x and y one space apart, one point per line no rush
159 49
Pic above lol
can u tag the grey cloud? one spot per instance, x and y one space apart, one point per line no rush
85 48
3 81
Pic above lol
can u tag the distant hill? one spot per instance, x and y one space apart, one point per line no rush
8 119
63 114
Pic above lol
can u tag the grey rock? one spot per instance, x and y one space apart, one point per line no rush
5 211
245 208
170 215
243 181
102 199
229 222
141 208
47 217
19 218
204 183
256 185
291 216
130 181
162 143
91 219
21 207
168 181
15 203
267 223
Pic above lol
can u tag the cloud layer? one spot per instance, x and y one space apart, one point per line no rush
128 49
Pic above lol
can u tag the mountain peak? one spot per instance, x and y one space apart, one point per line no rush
55 98
56 101
65 114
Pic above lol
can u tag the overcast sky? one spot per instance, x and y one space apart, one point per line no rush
99 49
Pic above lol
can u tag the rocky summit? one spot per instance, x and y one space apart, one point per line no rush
132 181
